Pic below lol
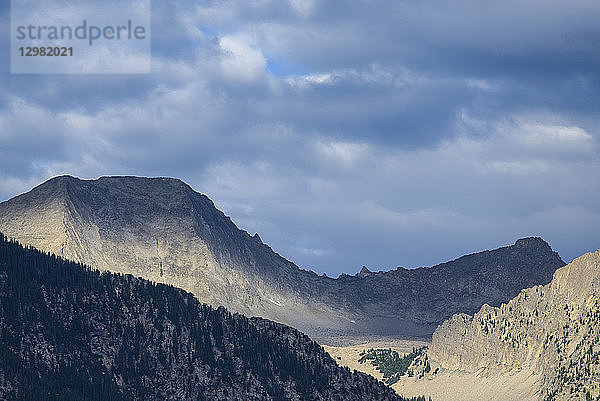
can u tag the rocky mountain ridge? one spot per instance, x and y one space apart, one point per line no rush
162 230
551 331
462 285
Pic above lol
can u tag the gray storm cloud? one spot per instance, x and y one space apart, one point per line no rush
374 133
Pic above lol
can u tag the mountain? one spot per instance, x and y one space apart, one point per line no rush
68 332
162 230
425 297
547 337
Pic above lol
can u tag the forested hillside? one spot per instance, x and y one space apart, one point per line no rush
68 332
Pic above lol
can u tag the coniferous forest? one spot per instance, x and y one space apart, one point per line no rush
68 332
391 364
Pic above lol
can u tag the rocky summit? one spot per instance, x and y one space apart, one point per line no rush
162 230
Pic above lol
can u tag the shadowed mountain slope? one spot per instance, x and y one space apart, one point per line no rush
71 333
162 230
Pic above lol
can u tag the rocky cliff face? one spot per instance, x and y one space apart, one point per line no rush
162 230
425 297
552 331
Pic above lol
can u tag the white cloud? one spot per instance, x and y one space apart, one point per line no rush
523 144
302 7
482 84
240 60
555 137
374 74
347 154
303 81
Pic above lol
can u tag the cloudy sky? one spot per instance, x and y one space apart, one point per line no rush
379 133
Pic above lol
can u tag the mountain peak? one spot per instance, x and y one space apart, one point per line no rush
66 187
141 180
119 180
532 242
364 271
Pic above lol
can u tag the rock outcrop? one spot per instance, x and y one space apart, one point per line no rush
162 230
551 331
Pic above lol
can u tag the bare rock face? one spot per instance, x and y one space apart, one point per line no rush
552 331
425 297
162 230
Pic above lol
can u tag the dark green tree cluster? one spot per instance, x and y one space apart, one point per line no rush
68 332
389 362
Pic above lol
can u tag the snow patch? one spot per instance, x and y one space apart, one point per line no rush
276 303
